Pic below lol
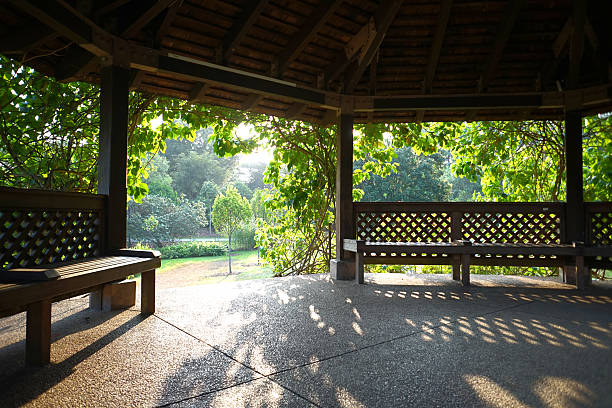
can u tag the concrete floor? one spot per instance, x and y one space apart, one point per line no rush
399 340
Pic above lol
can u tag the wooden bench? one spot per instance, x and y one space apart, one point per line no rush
488 234
52 249
468 253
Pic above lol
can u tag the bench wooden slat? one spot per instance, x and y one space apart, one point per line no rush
75 277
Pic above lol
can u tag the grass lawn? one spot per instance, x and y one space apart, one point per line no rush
211 269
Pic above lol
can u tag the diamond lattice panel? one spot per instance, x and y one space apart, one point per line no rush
34 237
525 228
403 227
601 228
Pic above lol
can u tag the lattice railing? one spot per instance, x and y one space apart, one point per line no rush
38 227
524 223
599 219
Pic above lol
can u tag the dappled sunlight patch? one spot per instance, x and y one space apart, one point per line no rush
357 328
566 392
346 400
491 393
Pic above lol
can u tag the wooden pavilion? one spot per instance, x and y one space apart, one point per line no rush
350 61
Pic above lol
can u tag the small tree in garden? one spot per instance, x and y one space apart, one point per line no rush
230 211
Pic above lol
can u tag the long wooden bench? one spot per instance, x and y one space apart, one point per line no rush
491 234
571 256
52 248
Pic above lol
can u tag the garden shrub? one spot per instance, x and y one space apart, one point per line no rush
193 249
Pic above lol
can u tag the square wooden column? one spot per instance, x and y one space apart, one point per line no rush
112 161
575 216
343 267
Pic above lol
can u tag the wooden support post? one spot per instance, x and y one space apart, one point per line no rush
38 333
575 212
343 267
147 292
456 235
465 269
112 162
465 265
359 276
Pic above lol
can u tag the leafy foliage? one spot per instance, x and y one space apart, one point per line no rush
161 220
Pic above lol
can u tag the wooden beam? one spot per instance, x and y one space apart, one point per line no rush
198 92
436 46
245 21
454 102
136 79
145 18
202 71
307 33
385 14
576 43
112 162
64 21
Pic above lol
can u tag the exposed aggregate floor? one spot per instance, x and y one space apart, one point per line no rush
398 340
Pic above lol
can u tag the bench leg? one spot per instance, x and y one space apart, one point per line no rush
456 267
359 272
465 270
583 275
38 333
147 292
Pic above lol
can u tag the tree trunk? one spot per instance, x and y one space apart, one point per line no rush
229 252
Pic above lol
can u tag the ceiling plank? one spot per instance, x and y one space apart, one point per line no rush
240 28
436 46
384 16
503 34
307 33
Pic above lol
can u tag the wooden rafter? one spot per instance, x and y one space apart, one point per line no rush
307 33
384 16
239 29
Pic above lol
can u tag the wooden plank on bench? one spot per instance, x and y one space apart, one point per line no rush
75 276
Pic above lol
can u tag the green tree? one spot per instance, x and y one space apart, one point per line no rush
415 178
192 169
243 189
159 181
230 212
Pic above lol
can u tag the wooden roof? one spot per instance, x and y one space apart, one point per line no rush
394 61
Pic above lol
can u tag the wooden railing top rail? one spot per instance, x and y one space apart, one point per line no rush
598 206
508 207
14 198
